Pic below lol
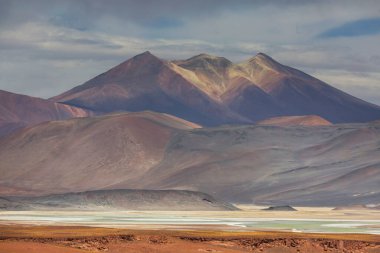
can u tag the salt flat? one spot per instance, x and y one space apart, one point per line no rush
250 218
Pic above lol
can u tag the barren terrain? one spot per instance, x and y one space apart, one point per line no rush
56 239
296 165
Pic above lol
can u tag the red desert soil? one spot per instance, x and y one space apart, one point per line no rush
20 239
34 247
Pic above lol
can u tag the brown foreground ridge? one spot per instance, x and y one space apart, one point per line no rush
77 239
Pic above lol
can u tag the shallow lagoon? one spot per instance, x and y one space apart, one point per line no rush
191 220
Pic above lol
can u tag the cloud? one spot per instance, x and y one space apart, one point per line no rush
364 86
361 27
164 23
59 44
46 41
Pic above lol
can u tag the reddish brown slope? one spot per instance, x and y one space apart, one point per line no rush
84 154
308 120
17 111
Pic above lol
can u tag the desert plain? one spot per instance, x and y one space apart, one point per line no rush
251 229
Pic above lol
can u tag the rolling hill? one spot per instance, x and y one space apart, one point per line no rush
307 120
120 199
85 154
18 111
273 165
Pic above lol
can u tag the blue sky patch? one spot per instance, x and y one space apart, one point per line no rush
360 27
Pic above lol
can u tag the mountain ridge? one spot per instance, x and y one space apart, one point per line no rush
146 82
200 84
205 89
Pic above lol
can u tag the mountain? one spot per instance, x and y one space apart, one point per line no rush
294 155
17 111
120 199
273 165
146 82
212 91
308 120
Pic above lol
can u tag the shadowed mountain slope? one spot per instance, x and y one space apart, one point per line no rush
17 111
298 165
250 101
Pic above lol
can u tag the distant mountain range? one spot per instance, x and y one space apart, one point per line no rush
207 90
251 132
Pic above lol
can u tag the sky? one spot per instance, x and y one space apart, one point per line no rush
50 46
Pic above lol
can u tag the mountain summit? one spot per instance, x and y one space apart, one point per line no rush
211 90
265 61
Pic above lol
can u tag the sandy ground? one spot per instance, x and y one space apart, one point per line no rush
57 239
